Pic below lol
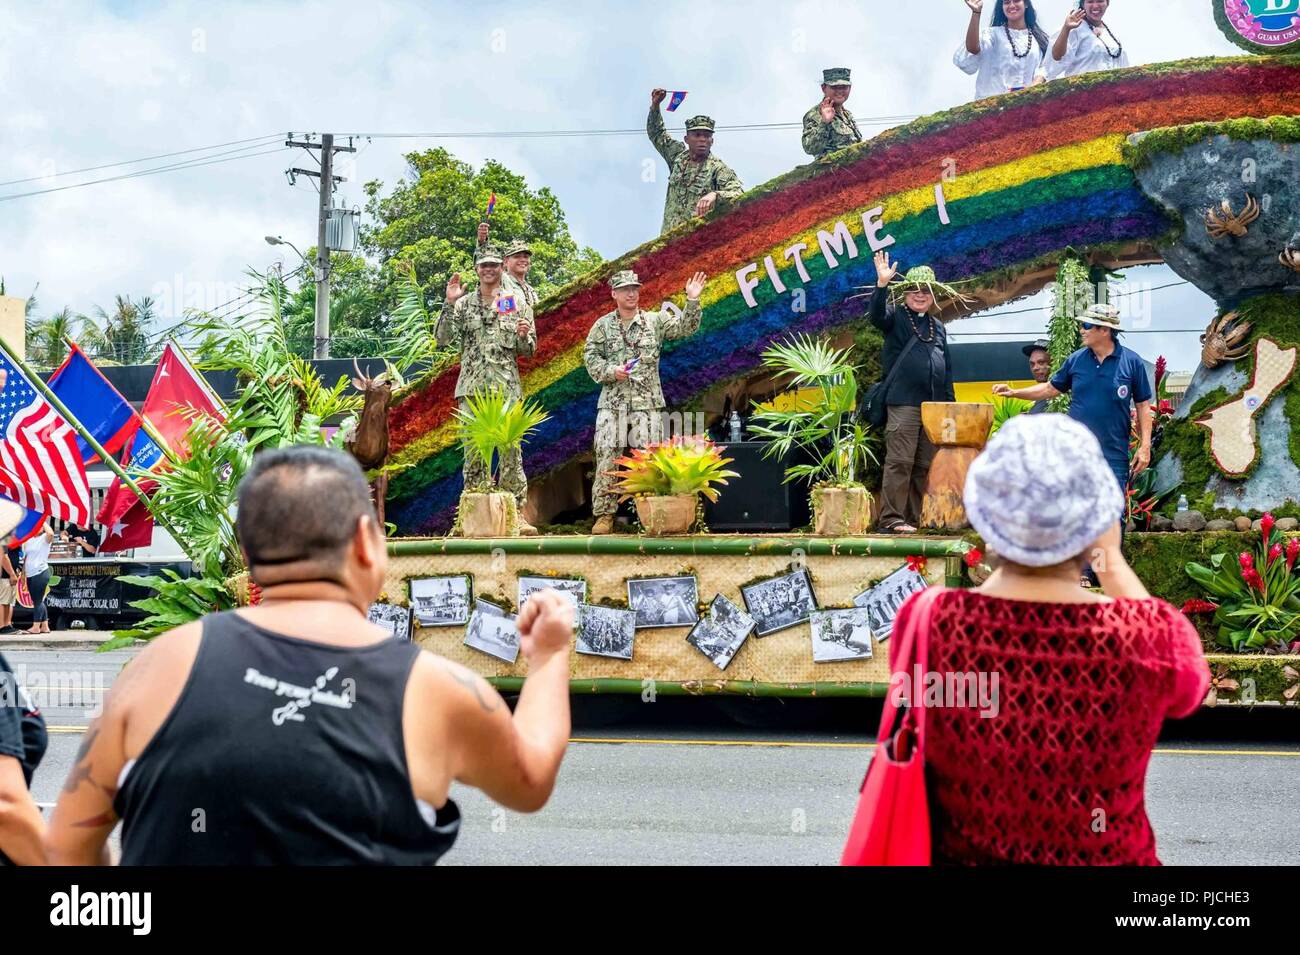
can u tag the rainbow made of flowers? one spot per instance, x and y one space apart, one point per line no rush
980 192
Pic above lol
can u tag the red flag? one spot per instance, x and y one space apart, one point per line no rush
177 392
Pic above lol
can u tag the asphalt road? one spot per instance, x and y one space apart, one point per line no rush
764 782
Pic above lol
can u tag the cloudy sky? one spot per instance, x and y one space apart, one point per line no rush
85 85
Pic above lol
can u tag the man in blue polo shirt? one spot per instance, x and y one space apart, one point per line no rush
1105 380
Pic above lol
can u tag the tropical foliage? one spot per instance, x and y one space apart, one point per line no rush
282 401
825 427
1256 595
682 465
1004 409
492 423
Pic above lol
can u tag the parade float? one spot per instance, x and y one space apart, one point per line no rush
1191 163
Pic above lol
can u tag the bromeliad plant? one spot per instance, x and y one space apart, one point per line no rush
826 427
1257 593
682 465
491 424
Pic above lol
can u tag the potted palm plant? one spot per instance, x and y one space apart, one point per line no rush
824 424
491 425
666 479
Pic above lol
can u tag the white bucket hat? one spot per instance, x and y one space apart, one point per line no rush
1041 492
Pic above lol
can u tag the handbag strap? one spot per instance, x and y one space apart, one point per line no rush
914 651
897 367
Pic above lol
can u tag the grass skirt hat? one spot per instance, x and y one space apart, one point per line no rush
1042 492
922 279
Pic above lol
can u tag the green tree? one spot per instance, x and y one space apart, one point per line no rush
47 337
430 220
121 337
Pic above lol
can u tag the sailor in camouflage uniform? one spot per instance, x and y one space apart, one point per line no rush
829 125
622 354
491 333
697 179
518 259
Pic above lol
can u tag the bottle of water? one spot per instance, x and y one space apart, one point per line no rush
1182 502
735 428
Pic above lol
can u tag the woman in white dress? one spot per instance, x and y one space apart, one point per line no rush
1010 55
1086 44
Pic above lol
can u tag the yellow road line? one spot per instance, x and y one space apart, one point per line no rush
791 744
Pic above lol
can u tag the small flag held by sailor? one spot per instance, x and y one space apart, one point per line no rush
506 305
676 100
492 203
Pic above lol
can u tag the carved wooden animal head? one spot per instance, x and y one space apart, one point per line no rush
369 442
1223 221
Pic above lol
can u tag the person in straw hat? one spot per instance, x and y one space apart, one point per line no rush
1048 765
918 368
1104 380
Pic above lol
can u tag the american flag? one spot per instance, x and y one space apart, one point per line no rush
40 465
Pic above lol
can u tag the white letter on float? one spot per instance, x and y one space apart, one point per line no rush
836 241
795 252
774 275
871 226
747 285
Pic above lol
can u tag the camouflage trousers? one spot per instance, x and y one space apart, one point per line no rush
512 472
618 429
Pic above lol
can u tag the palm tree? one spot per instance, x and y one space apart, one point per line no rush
47 338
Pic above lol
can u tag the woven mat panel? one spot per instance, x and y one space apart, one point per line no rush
663 654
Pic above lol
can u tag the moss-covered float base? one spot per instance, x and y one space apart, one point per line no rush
780 664
1240 679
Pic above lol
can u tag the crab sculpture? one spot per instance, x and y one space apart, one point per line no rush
1223 221
1225 340
1290 258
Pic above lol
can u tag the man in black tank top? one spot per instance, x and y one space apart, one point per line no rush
296 732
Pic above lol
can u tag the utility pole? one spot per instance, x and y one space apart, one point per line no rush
321 348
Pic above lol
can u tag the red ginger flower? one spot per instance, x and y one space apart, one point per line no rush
973 557
254 593
1247 561
1199 606
916 563
1274 553
1292 552
1253 579
1266 526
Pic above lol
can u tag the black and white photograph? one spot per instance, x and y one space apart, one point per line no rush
493 631
392 618
663 601
884 600
606 631
722 631
575 590
780 602
841 635
441 601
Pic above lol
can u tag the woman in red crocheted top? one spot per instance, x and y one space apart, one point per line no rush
1054 772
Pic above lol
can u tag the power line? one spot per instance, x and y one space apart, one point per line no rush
189 164
637 131
261 140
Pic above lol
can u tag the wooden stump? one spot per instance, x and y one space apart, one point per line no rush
960 430
661 516
486 515
841 511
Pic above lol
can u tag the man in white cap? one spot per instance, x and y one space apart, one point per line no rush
1104 380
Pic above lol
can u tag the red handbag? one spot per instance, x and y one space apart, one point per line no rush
892 823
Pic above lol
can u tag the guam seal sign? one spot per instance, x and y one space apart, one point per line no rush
1261 26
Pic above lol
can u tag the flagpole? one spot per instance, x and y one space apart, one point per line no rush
95 446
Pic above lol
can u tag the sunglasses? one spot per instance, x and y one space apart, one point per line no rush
1087 326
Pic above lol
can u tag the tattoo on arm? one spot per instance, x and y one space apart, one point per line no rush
470 681
82 767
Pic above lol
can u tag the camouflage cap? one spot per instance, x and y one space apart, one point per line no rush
488 255
518 246
624 279
699 122
836 76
